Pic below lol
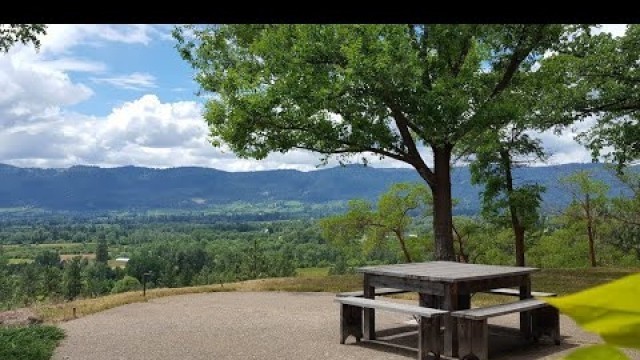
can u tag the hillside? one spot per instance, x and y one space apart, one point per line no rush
84 188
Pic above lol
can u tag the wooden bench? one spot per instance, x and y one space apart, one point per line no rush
516 292
378 292
429 338
473 329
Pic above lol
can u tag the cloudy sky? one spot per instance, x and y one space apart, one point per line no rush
115 95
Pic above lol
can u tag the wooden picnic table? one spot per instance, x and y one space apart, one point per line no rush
445 285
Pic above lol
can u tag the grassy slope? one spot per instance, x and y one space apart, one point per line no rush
29 343
561 281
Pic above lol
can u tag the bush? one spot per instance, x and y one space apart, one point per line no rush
29 343
127 283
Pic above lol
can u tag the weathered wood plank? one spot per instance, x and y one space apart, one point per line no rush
416 285
516 292
429 339
450 302
473 286
480 339
525 316
391 306
350 322
369 323
445 271
464 337
498 310
546 321
378 292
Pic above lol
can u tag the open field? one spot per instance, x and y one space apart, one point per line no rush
66 257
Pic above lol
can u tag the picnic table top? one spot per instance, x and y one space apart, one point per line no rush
446 271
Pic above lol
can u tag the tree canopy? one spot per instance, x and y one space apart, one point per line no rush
601 76
397 91
10 34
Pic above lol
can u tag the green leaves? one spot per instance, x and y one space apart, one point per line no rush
440 81
609 310
391 218
23 33
597 352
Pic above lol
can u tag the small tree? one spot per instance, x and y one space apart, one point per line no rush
102 250
72 279
588 205
504 201
127 283
392 217
48 258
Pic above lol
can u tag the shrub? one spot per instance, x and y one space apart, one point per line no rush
127 283
29 343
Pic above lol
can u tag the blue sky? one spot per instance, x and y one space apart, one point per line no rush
116 95
132 70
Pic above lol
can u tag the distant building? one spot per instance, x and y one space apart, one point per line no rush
122 259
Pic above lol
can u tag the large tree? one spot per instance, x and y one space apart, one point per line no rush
388 90
10 34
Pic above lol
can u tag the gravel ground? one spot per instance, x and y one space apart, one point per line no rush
269 325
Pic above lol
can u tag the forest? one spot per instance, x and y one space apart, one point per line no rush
56 257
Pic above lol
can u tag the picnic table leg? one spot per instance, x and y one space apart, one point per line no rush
525 316
450 303
428 300
369 325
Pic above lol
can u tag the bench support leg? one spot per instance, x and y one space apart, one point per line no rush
546 321
525 316
429 339
473 336
350 322
369 326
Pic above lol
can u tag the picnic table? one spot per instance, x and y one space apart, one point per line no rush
444 285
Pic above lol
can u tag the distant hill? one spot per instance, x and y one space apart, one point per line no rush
85 188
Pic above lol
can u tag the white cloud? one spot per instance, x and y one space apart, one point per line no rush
33 92
148 132
615 29
133 81
37 129
61 38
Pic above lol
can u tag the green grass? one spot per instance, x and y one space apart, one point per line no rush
15 261
313 272
29 343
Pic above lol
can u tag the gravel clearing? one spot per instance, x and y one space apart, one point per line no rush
264 325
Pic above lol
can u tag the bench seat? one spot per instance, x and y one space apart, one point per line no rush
498 310
429 337
516 292
378 292
473 328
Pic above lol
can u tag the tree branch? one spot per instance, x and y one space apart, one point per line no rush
518 56
413 154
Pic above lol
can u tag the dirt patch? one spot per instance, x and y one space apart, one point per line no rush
67 257
19 317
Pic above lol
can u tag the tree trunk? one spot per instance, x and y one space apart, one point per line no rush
462 257
442 212
518 229
403 245
592 251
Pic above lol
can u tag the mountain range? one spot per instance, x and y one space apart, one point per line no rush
88 188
